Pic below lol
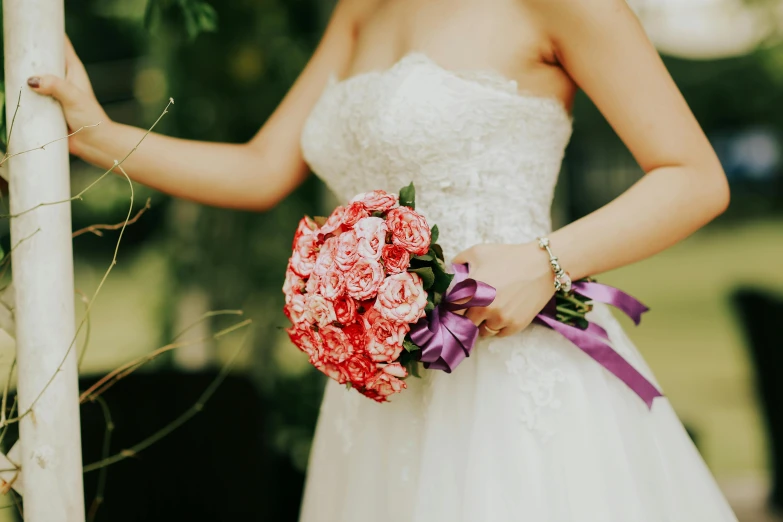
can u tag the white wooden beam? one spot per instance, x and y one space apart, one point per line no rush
42 262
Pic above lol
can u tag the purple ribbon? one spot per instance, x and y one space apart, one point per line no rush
444 337
594 341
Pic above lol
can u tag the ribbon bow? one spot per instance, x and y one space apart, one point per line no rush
444 337
594 341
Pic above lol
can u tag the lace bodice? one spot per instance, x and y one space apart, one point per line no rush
484 158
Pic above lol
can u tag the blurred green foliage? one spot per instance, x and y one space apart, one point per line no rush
194 16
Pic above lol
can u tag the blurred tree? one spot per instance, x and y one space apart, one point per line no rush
226 84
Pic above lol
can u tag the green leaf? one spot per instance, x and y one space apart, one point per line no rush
437 250
408 196
194 16
426 274
430 306
442 279
435 234
425 257
413 368
378 214
320 220
348 385
408 358
436 297
409 346
149 12
442 283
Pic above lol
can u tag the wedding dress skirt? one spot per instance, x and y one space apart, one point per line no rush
529 428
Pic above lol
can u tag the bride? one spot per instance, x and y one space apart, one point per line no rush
470 100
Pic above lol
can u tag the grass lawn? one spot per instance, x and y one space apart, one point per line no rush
693 341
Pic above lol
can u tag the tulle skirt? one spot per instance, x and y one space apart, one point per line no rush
528 428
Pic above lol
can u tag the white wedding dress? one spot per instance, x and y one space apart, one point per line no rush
529 428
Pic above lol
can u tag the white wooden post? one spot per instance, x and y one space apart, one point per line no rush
50 438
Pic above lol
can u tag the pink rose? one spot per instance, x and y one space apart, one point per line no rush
377 200
325 258
334 222
363 279
402 298
409 229
293 284
347 250
353 213
305 253
337 347
331 370
312 284
395 370
297 310
332 284
304 338
385 384
359 369
345 309
303 260
384 337
306 227
321 310
396 259
371 233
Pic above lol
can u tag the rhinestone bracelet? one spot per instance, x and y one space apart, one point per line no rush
562 279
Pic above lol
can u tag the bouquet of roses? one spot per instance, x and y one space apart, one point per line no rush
356 283
369 298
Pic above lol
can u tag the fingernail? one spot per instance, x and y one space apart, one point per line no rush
34 81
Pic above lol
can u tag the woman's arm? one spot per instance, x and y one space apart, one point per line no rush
255 175
604 49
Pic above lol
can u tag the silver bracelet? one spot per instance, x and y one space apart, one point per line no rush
562 279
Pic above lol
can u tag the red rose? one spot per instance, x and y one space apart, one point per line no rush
371 233
396 259
409 230
345 309
372 394
359 369
402 298
377 200
356 335
331 370
305 338
293 284
334 222
332 284
353 213
336 345
384 337
363 279
347 250
320 309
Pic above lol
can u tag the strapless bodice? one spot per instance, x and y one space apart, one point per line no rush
484 157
